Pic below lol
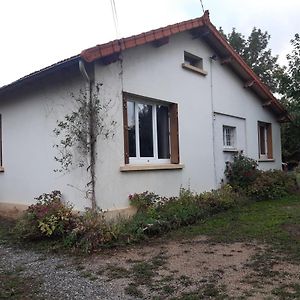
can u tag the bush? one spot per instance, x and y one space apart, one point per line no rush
49 217
220 199
272 184
144 200
241 172
165 214
91 231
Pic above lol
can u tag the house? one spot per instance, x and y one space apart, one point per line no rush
183 102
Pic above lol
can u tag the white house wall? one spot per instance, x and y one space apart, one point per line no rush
157 73
28 120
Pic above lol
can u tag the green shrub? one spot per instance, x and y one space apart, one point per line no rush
91 231
220 199
272 184
241 172
49 217
144 200
165 214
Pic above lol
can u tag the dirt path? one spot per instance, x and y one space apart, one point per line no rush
187 269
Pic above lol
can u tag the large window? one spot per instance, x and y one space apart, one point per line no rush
150 131
265 140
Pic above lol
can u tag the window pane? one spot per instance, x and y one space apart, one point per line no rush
145 130
131 129
262 140
228 136
162 113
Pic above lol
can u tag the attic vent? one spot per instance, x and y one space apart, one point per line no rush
194 63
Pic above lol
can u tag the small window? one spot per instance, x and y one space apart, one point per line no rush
265 140
229 137
193 62
150 131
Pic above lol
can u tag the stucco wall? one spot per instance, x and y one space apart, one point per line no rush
157 73
28 119
204 103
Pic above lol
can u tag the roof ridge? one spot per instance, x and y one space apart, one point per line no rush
109 48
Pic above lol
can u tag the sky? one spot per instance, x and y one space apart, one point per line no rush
38 33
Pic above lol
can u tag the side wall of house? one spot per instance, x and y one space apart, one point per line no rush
157 73
28 119
234 102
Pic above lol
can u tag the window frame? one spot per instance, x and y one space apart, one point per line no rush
173 131
233 137
267 139
193 63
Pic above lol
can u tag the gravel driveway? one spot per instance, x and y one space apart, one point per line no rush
59 275
181 269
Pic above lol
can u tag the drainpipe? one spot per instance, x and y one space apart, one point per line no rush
91 137
211 59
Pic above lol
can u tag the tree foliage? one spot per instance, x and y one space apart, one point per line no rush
254 50
290 89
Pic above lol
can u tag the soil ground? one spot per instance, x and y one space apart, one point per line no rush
162 269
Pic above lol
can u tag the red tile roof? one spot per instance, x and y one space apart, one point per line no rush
112 47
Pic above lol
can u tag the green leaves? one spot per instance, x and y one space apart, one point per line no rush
254 50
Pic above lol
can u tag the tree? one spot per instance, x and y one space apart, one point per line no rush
78 133
254 50
290 89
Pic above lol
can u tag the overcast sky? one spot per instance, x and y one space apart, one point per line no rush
38 33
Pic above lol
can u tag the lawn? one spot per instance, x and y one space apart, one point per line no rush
274 222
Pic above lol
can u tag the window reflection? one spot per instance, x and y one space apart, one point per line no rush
162 113
145 130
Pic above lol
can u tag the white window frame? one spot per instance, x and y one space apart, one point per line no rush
232 137
148 160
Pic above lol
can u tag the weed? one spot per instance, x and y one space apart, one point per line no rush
15 286
132 290
185 280
79 267
143 273
88 275
287 291
115 272
168 289
207 291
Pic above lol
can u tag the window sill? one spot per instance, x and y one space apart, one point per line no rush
1 169
195 69
234 150
146 167
266 160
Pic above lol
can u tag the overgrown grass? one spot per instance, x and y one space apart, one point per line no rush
276 222
15 286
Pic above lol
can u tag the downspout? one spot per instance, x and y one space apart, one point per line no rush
213 117
91 136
